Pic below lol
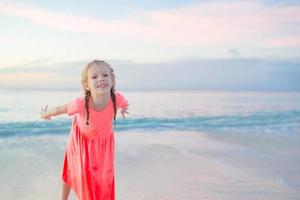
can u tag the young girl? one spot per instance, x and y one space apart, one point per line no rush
88 166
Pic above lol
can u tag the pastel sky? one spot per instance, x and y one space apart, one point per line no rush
37 37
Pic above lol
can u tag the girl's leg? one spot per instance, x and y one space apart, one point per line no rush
65 191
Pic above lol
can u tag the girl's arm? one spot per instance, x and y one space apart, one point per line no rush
58 110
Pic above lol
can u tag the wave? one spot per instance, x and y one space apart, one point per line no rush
277 121
4 109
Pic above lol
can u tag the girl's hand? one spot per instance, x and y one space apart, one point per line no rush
123 111
43 113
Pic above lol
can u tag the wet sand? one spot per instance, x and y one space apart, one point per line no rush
164 165
188 165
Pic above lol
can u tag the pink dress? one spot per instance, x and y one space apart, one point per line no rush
88 166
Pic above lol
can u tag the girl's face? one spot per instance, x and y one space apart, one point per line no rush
99 79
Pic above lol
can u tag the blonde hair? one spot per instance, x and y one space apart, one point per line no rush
87 93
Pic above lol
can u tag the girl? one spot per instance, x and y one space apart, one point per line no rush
88 166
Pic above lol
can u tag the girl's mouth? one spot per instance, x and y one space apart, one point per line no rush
102 85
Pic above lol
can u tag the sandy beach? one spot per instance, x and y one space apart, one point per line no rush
163 165
187 165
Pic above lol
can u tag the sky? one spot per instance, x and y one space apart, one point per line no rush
217 44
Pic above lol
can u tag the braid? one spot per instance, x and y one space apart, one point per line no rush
87 97
113 96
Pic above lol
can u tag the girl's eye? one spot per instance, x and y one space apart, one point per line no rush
94 77
105 75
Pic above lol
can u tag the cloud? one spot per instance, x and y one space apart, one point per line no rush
233 52
211 74
209 23
291 41
27 79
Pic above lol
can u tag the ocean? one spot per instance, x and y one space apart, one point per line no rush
172 145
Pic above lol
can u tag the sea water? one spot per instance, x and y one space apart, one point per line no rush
263 127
